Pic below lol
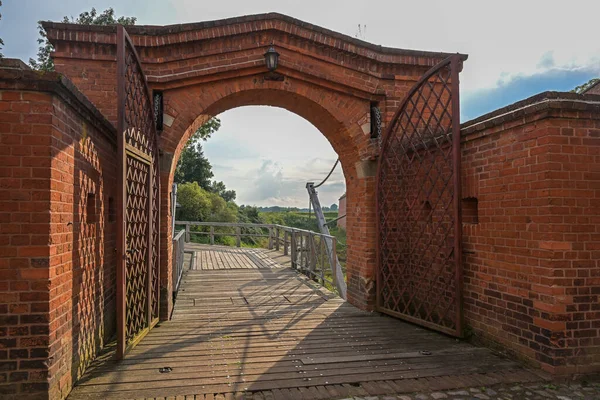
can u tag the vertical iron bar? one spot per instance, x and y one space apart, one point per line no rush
456 155
121 201
238 236
150 188
212 235
157 227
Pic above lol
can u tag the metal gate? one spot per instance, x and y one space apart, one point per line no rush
418 205
138 200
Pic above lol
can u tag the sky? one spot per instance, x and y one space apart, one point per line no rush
516 48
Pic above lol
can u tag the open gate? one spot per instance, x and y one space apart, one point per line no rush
419 275
138 201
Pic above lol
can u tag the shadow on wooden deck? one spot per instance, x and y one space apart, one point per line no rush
266 332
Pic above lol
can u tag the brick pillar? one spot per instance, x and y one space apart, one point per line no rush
361 234
166 243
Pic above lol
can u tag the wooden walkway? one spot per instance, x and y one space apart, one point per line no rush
246 327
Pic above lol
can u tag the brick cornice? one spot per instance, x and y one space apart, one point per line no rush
156 36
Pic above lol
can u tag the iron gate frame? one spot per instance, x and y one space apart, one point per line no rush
128 151
454 62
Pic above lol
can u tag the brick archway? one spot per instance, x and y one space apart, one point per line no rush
337 119
330 79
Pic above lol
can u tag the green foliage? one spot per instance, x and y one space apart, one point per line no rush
44 61
220 189
194 203
193 166
582 88
198 204
333 207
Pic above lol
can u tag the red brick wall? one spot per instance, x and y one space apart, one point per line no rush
532 261
25 136
83 258
341 223
57 269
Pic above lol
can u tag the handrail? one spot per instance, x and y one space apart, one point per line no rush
178 255
310 251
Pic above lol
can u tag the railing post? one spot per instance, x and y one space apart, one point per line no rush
270 238
212 235
277 238
187 233
285 242
321 239
313 257
293 249
334 263
238 234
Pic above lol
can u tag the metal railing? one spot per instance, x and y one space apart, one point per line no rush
312 254
178 255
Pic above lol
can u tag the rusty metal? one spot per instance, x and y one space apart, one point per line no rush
138 196
419 276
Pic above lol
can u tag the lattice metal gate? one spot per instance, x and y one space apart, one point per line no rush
418 205
138 210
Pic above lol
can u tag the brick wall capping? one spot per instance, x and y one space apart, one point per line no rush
544 102
16 75
247 24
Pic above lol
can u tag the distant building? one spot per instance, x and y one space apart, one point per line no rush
341 223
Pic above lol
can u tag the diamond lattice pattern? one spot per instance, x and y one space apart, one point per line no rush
142 201
415 209
137 231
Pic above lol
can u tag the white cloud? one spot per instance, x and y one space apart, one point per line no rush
268 154
510 43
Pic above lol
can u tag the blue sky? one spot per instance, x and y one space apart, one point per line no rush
516 49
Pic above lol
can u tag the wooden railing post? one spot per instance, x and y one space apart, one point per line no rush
212 235
238 234
285 242
277 238
270 238
293 249
313 257
187 233
334 262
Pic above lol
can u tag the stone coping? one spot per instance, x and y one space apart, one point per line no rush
541 102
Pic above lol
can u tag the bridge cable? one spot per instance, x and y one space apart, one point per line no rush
328 175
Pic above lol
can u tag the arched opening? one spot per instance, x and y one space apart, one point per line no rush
332 115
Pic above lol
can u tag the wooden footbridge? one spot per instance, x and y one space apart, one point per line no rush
248 324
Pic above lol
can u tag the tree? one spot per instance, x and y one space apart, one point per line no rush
194 202
193 166
44 61
334 207
220 189
582 88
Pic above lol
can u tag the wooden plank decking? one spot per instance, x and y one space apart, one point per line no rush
245 325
